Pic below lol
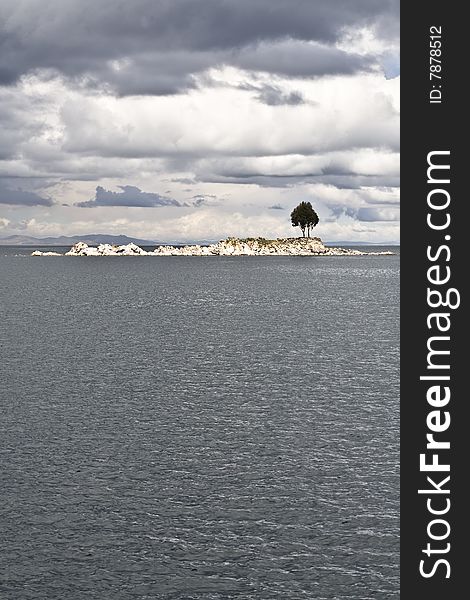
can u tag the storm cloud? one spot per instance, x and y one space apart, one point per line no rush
128 196
153 47
228 111
20 197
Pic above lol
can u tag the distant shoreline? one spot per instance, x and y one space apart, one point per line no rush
95 239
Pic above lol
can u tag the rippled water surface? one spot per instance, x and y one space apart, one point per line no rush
199 428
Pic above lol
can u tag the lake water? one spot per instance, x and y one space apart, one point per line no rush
199 428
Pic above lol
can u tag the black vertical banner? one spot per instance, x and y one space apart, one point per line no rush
434 221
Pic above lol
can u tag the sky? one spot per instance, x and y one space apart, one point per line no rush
186 120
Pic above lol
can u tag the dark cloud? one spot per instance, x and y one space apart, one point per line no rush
275 98
21 197
156 73
129 196
362 213
339 209
394 202
202 200
153 47
377 214
299 59
198 200
336 169
339 171
349 182
276 207
355 182
185 180
273 95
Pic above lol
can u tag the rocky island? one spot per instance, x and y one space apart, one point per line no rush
304 246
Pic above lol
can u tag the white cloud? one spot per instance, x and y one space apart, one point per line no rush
340 113
339 148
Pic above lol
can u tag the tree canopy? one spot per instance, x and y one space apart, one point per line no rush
305 217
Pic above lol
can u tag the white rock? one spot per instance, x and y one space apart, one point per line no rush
39 253
78 249
230 247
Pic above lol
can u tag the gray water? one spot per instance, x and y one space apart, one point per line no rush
199 428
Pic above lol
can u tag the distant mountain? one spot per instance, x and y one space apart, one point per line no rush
92 239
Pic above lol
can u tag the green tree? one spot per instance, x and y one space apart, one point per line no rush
305 217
